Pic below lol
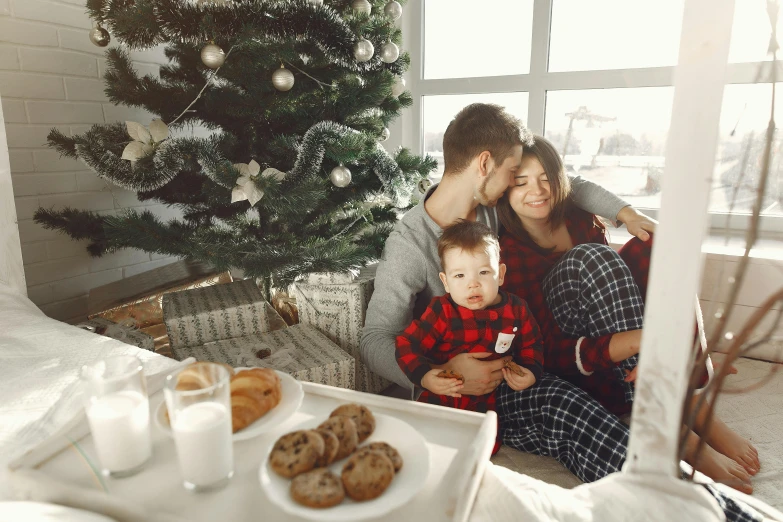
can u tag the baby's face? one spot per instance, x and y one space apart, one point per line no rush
472 278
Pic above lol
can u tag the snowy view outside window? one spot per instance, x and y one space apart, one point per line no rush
617 136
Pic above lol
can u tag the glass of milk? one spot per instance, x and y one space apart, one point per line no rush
118 412
198 399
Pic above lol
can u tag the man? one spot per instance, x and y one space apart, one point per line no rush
482 151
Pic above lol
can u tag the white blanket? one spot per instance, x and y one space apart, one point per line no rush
40 360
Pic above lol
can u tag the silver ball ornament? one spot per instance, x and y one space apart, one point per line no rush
316 2
340 176
283 79
363 50
398 87
390 52
213 56
424 185
385 133
393 10
362 6
100 36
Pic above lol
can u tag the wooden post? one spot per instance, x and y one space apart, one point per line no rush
677 261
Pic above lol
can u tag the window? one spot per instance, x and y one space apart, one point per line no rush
601 90
466 38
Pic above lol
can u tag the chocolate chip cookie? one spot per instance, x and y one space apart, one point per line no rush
361 415
387 450
367 474
296 452
319 488
332 446
345 430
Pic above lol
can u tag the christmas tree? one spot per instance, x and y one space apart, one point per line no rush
297 95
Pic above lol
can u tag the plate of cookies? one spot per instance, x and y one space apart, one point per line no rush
351 465
261 399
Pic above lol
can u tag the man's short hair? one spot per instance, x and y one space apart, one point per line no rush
469 236
479 127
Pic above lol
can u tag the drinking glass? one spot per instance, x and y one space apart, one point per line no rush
118 412
198 399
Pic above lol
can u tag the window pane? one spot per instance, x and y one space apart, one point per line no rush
746 108
438 111
614 34
615 137
467 38
750 32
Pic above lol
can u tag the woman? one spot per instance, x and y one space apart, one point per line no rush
587 302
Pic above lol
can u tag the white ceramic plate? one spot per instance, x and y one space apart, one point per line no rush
290 399
406 484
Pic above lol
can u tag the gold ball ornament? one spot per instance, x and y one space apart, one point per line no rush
398 87
340 176
283 79
393 10
213 56
362 6
390 52
363 50
100 36
385 133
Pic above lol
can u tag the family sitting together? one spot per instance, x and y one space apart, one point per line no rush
498 291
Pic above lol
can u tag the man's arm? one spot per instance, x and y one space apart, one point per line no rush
595 199
401 275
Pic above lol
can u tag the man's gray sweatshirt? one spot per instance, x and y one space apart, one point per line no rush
407 277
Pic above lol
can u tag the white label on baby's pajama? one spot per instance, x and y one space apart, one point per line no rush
504 342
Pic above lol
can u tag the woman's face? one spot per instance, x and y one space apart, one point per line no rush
530 196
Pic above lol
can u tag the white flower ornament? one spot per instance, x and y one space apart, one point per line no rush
144 141
246 188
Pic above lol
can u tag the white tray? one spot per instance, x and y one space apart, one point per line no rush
459 443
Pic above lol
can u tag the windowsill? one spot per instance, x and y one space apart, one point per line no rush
715 246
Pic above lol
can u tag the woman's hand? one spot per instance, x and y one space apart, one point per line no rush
519 382
638 224
441 385
624 345
481 377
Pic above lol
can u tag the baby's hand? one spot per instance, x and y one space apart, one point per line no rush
518 377
448 386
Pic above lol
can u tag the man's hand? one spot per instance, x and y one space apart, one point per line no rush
481 377
637 223
519 382
441 385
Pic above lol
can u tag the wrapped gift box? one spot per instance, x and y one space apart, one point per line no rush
336 304
121 332
300 350
215 313
140 297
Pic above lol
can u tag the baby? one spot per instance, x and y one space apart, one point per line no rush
474 316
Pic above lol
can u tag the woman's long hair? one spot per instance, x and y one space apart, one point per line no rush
559 189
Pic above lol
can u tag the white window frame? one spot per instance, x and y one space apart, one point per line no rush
538 81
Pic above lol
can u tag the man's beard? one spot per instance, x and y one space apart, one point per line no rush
482 197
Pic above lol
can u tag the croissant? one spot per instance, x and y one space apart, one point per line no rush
196 377
253 393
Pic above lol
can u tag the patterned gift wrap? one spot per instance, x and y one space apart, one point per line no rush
140 297
300 350
216 313
126 334
336 304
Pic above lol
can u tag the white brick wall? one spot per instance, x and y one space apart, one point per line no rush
51 76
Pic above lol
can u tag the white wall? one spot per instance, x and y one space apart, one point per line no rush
11 269
51 76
